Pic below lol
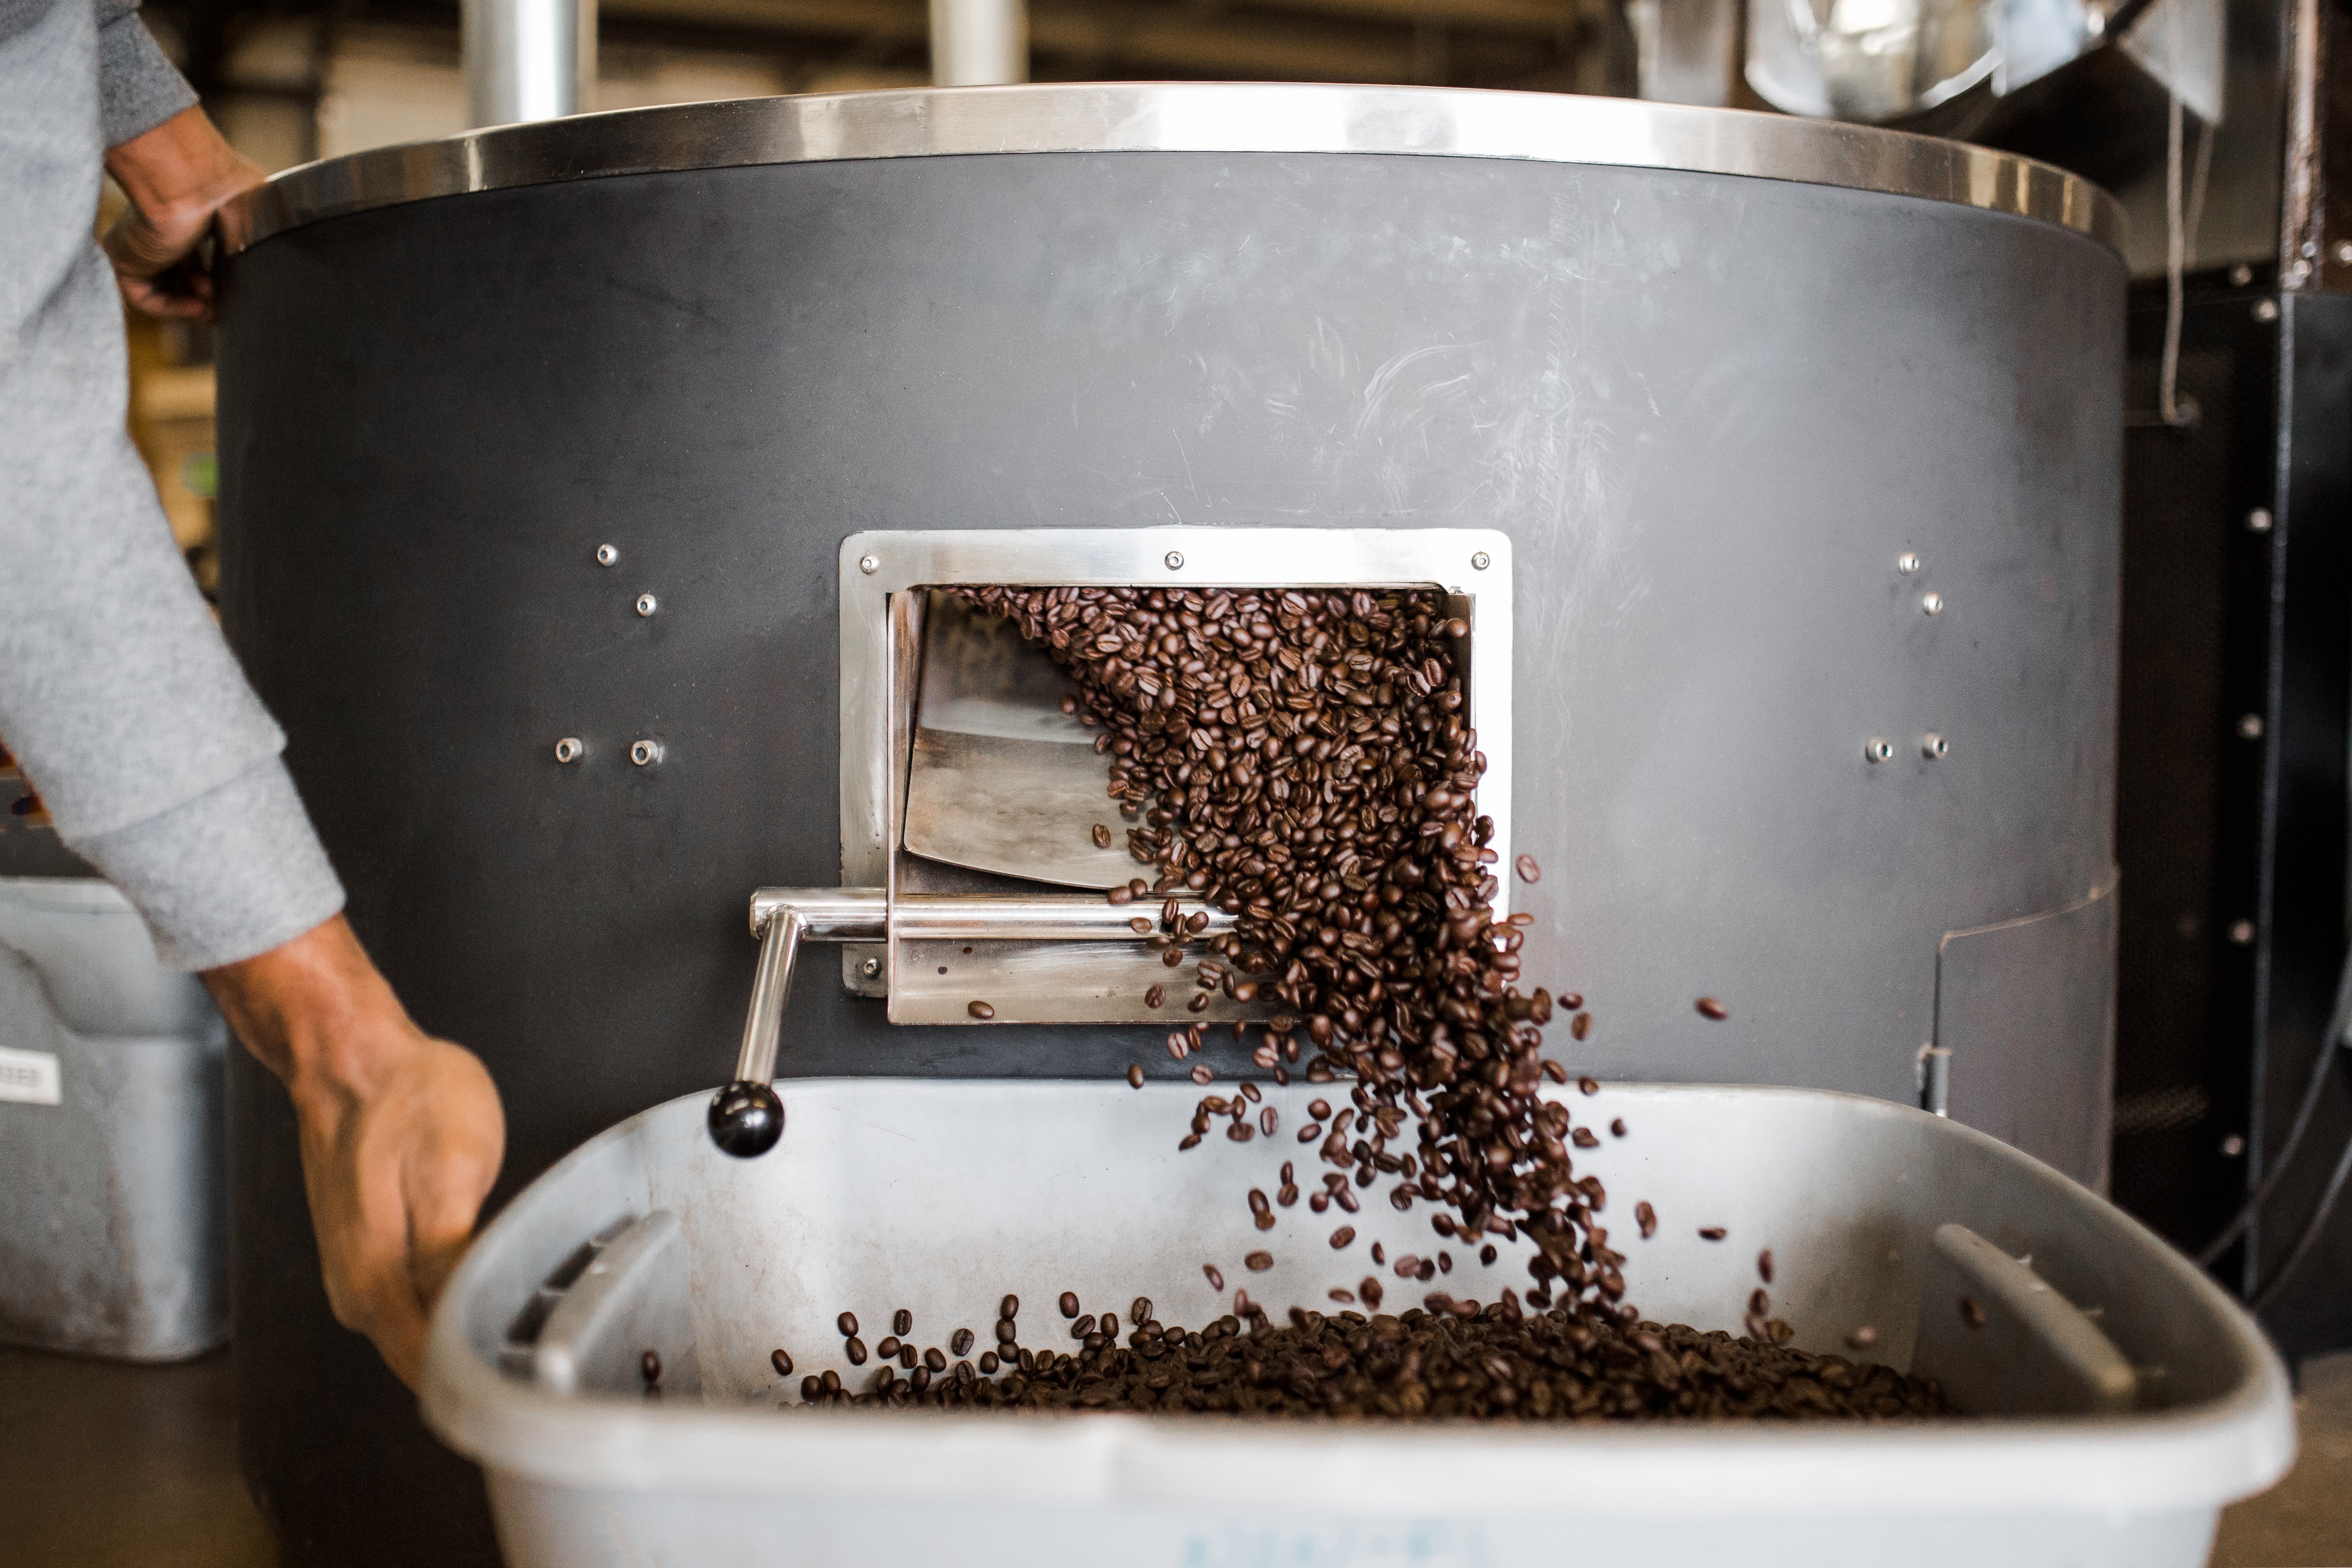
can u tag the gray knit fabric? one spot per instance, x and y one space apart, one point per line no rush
117 693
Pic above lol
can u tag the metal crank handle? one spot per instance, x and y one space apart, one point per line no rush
746 1117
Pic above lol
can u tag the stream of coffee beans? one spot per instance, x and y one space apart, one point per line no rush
1302 760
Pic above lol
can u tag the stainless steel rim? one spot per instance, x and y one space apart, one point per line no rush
1179 117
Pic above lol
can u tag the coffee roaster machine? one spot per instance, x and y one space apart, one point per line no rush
587 487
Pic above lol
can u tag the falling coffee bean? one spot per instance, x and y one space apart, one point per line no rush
1712 1232
1342 1237
1216 1280
1972 1312
959 1342
980 1010
1069 1303
649 1364
1527 870
1153 996
1589 1085
1259 1262
1617 1127
1764 1265
1135 1075
1102 836
1009 1308
1139 1312
1647 1218
1368 1289
1709 1008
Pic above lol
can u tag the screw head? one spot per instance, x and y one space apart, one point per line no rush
870 968
2241 931
1934 747
2259 520
869 564
608 555
2232 1146
1907 562
1878 749
2267 309
570 749
2241 275
645 754
2250 727
1481 561
2342 253
1175 558
1933 603
648 604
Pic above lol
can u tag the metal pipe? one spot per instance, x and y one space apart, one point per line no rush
755 1060
979 43
524 58
865 914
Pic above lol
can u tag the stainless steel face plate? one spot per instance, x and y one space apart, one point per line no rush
960 775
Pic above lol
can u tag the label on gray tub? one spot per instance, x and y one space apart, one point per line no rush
30 1077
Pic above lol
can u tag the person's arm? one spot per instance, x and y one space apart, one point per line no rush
402 1133
130 716
178 176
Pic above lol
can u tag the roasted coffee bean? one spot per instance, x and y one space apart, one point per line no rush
1006 1332
1342 1237
1321 1110
1172 957
1486 1253
902 1321
1069 1303
1286 1194
1589 1085
1199 1004
1712 1232
1009 1308
1580 1026
1083 1327
1764 1266
1647 1218
1153 996
1139 1313
781 1361
906 1355
1710 1008
811 1386
1139 926
1217 1280
936 1359
1972 1313
1268 1120
1379 1254
989 1363
1259 1262
1135 1075
1202 1073
979 1010
889 1348
1527 870
1583 1138
959 1342
1102 835
855 1351
846 1323
1368 1289
649 1366
1120 896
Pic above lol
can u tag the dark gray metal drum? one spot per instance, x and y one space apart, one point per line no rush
1806 438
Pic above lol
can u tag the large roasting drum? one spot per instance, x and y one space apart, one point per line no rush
1805 438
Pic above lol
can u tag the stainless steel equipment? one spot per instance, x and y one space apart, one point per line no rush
2118 1396
540 446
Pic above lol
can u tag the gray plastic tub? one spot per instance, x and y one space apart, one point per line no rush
113 1190
941 1196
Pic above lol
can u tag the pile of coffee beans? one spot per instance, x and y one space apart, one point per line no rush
1452 1359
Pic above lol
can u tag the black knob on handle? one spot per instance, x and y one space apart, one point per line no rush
746 1119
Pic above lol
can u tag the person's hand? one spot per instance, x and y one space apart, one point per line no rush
401 1133
178 176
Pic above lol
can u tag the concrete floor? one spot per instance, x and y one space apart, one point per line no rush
129 1466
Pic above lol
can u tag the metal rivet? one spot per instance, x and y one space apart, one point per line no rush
646 753
648 604
1907 562
870 968
2344 252
608 555
2267 309
2232 1146
2259 520
1933 746
2241 275
2250 727
2297 276
1878 750
2241 931
1175 558
1932 603
569 749
869 564
1481 561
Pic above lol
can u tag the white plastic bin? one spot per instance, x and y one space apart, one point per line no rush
114 1209
941 1196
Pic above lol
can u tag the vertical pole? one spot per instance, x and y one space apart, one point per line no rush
979 43
522 59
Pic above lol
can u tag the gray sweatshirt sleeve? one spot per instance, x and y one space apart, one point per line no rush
116 694
138 89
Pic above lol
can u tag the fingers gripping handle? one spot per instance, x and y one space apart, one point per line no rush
746 1117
